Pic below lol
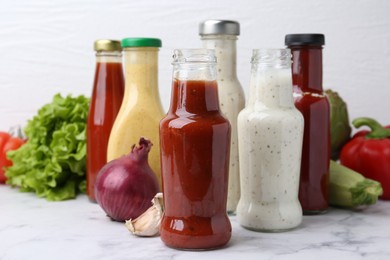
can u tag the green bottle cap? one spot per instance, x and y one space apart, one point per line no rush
141 42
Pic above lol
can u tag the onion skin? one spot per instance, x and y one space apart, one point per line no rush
125 186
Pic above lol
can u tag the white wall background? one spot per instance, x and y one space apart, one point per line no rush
46 45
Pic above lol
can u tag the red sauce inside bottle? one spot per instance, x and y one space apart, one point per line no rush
313 104
195 142
107 95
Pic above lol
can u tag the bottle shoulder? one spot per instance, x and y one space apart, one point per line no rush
231 96
311 101
199 121
133 102
255 114
144 114
230 84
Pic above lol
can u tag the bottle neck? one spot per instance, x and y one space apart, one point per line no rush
141 73
108 57
194 87
307 68
226 53
194 97
271 82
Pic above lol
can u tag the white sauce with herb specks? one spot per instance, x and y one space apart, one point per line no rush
231 101
270 132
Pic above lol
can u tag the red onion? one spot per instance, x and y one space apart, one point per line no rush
125 186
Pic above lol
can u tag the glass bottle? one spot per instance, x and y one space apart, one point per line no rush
141 110
107 96
221 35
195 141
270 132
310 99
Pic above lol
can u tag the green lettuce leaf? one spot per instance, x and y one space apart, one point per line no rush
53 161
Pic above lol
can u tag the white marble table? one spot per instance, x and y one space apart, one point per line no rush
32 228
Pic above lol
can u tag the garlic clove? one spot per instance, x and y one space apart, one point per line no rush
148 223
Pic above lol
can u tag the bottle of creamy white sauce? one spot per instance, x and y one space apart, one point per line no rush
221 35
270 134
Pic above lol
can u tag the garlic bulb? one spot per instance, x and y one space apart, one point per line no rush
148 223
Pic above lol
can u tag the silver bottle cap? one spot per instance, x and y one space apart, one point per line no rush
213 27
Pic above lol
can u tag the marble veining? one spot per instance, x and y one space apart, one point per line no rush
33 228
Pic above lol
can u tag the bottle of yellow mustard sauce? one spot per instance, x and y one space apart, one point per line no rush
141 110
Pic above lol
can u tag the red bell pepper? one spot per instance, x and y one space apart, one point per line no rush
369 153
8 142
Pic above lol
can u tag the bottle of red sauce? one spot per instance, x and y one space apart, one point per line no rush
195 146
310 99
107 95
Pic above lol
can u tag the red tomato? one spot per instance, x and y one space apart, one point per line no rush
7 143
